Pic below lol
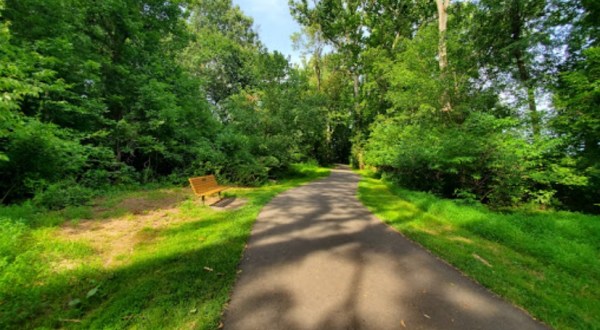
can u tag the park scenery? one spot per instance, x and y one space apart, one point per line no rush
410 164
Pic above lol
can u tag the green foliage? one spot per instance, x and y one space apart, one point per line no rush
37 154
483 157
126 92
48 277
236 162
11 238
478 150
534 259
62 194
578 120
479 128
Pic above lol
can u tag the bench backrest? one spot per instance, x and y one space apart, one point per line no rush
203 184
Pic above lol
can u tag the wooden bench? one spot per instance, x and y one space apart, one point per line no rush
206 185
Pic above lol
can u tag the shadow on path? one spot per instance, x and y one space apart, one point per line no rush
318 259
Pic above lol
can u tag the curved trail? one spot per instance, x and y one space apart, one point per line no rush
318 259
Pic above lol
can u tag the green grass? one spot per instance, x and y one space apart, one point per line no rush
178 275
546 262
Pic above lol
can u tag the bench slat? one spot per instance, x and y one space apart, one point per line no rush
214 191
205 185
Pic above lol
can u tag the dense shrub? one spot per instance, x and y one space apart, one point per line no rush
62 194
172 94
470 141
11 240
482 158
38 152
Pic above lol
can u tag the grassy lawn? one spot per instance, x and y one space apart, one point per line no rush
545 262
148 259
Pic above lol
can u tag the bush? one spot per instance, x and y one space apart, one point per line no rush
11 237
231 160
483 158
38 151
62 194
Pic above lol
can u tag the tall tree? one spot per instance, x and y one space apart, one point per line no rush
311 42
340 22
508 33
223 50
442 9
390 21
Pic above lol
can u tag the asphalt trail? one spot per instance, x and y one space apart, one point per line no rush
318 259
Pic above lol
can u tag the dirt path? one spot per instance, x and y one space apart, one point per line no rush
317 259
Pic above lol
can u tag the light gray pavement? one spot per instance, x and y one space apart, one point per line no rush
318 259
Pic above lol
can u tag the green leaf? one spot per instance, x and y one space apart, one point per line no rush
74 302
92 292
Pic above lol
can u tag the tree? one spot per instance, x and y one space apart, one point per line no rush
507 33
577 101
311 41
107 87
223 50
442 8
340 22
31 150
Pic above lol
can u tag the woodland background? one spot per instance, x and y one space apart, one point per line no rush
494 101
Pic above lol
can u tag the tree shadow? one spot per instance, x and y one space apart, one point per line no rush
361 274
156 288
327 263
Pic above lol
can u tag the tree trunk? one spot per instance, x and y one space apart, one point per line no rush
442 8
356 87
8 192
357 122
356 92
526 80
516 30
318 69
118 152
396 40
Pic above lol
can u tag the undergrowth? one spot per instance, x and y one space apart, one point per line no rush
178 274
547 262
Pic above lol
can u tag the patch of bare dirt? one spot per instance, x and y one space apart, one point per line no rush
139 205
142 205
115 239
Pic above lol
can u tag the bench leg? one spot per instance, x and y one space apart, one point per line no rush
202 199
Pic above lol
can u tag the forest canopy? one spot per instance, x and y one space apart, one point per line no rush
495 101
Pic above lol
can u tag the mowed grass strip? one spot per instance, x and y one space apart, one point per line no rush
146 260
546 262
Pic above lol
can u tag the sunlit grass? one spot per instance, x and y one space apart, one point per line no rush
175 271
546 262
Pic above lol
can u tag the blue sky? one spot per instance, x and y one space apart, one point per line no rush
274 24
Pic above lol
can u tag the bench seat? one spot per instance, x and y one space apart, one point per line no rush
205 185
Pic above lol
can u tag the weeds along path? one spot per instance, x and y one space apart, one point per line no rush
318 259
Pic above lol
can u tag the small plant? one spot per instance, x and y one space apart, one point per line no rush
11 236
60 195
466 196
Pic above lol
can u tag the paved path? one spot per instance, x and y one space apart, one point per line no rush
317 259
